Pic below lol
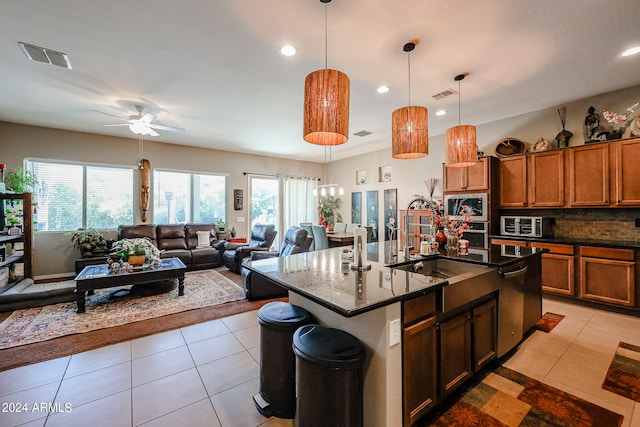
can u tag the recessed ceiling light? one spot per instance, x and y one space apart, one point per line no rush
288 50
383 89
441 112
631 51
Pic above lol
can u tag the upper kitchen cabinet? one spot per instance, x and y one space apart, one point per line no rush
512 188
589 175
470 179
627 172
546 179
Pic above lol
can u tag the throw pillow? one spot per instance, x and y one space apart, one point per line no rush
203 239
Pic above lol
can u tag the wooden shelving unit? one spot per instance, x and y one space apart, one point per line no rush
26 257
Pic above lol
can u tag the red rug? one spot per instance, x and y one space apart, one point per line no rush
623 376
508 398
548 322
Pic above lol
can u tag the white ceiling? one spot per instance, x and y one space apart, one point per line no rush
214 67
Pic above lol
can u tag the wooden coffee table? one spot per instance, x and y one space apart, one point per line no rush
98 277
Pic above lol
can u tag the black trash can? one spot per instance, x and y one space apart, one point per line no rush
329 377
278 321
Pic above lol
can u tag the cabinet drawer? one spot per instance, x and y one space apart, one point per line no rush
554 248
418 308
607 253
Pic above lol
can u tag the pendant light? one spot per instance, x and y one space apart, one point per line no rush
410 125
330 186
326 102
460 145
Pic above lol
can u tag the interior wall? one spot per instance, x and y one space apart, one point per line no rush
54 254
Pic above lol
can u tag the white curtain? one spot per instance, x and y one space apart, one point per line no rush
299 204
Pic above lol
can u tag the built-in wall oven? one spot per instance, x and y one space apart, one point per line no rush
478 232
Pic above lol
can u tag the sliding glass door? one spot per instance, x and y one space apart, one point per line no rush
264 193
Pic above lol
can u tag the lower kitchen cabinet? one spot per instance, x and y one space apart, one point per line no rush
607 275
468 341
557 268
419 369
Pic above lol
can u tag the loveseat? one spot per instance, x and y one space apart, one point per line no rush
196 245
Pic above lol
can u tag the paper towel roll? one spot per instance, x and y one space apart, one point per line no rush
359 245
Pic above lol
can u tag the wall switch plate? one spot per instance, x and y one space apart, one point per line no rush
240 219
394 332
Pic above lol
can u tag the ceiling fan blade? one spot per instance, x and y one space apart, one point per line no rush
147 118
119 124
169 128
112 115
152 132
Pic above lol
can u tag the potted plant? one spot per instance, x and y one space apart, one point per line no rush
328 210
20 180
89 241
221 225
137 251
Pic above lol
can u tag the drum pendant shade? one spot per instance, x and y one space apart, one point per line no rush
460 146
326 107
410 132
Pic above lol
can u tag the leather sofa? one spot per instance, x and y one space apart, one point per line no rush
262 237
257 286
180 241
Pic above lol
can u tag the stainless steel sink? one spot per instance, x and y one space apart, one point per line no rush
466 282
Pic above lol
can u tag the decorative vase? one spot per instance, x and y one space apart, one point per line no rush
441 238
614 135
452 242
136 259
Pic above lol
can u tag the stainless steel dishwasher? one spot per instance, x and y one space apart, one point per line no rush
519 301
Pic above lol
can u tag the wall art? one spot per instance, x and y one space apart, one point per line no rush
372 213
356 208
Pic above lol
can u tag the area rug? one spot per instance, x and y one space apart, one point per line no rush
202 289
623 376
505 397
548 322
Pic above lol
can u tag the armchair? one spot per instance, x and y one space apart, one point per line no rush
257 286
262 237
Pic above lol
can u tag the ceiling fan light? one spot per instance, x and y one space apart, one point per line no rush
139 128
326 107
410 132
460 146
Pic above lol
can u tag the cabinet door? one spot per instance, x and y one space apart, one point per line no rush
589 175
546 179
471 178
607 280
485 331
455 353
419 369
558 274
627 173
513 181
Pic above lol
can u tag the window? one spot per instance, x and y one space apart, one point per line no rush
264 193
181 197
72 196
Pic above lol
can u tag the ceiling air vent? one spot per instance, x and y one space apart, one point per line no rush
444 94
48 56
362 133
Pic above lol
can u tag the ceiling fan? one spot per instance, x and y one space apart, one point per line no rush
140 123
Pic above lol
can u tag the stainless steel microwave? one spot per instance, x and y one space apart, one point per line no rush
526 226
478 202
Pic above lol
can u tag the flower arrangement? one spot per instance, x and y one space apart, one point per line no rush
139 246
618 121
456 226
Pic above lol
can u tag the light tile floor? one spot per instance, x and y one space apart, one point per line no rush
206 374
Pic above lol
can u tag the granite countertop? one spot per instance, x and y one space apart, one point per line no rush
620 244
324 279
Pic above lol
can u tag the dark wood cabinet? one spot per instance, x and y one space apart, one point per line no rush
546 179
420 369
455 353
607 275
512 188
468 179
627 173
485 339
557 268
589 175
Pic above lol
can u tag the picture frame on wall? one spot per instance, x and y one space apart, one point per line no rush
384 173
372 213
390 200
237 200
361 177
356 207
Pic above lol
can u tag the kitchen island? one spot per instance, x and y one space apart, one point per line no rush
411 317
